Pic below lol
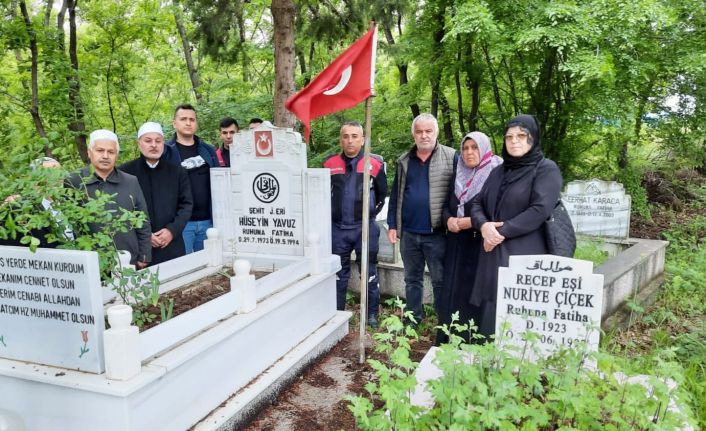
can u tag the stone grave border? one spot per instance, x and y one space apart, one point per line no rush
634 273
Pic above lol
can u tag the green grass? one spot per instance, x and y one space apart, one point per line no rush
591 250
676 324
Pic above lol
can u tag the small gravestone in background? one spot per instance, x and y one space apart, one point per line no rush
387 252
558 298
51 308
598 207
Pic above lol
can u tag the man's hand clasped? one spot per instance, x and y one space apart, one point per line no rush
162 238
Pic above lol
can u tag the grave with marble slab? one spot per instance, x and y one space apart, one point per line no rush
234 351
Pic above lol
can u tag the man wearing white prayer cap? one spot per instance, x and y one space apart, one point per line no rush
103 150
167 192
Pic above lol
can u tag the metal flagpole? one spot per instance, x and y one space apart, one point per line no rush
366 203
366 229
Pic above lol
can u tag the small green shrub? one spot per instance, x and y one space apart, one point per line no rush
631 178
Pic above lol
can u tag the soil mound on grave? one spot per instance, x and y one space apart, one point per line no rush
194 294
672 191
670 195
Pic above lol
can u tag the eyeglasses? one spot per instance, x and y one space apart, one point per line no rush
520 137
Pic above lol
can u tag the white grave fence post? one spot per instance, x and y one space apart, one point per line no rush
243 285
313 252
214 247
121 345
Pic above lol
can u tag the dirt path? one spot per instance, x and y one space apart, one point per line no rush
317 400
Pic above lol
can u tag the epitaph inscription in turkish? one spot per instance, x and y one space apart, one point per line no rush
51 308
598 207
558 298
270 219
266 192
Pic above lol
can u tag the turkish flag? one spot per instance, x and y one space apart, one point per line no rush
347 81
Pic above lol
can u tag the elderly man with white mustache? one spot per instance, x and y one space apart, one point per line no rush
414 214
103 151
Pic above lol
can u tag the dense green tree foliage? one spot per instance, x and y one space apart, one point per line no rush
617 85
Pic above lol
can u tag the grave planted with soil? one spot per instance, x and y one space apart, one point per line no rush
195 294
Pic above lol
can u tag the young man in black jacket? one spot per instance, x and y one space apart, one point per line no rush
197 156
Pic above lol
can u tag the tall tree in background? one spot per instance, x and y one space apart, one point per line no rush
390 16
76 123
186 45
283 13
603 76
34 72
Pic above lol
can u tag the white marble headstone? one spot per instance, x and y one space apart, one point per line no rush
558 298
598 207
51 308
258 202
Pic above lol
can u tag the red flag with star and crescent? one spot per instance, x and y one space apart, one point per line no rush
347 81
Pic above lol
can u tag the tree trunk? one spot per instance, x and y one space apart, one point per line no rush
474 75
474 86
401 67
446 116
511 83
435 98
244 58
459 96
60 25
107 86
193 73
494 84
302 61
47 13
437 18
641 104
542 93
312 51
283 12
77 124
34 107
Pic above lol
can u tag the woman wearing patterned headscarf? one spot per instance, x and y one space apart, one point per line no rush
463 240
511 209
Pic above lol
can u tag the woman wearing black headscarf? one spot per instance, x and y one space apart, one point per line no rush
463 241
511 209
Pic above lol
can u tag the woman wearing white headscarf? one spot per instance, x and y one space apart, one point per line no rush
464 241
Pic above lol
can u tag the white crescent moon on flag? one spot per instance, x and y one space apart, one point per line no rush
345 77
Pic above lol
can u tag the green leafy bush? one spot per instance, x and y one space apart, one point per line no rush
489 387
23 218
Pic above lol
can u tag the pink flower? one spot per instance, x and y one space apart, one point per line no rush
84 336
